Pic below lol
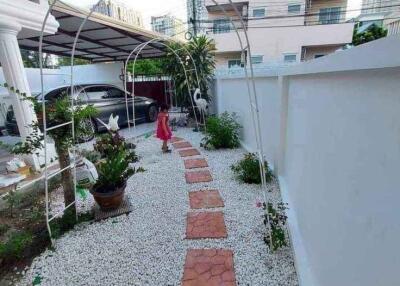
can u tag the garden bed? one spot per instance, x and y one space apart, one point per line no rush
148 246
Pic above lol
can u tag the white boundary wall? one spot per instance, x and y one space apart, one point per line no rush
104 73
331 130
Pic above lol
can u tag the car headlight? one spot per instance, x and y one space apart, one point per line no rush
147 102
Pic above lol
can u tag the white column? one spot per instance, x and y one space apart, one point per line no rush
15 76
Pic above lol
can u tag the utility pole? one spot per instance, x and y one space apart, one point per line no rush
194 16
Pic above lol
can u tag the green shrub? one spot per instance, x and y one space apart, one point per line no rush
222 132
276 238
15 245
111 143
91 155
3 228
247 170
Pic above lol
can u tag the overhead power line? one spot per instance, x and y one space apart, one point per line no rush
304 14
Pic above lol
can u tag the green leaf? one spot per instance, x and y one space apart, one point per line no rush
37 280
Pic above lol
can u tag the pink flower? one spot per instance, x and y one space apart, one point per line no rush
258 204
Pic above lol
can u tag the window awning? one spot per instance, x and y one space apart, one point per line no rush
102 39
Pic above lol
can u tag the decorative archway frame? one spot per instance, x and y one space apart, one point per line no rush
72 166
250 82
252 93
137 50
48 176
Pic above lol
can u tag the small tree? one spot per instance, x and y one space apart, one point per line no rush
59 111
202 50
373 33
147 66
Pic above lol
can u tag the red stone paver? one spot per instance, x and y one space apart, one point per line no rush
205 199
189 152
209 267
176 139
181 145
205 225
195 163
202 176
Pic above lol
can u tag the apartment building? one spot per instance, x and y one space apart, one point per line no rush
168 25
119 11
384 13
279 31
196 9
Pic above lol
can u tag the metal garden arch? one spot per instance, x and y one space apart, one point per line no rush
252 92
249 81
140 48
72 166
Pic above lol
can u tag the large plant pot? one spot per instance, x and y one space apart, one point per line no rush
111 200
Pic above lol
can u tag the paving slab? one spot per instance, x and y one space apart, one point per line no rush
182 145
189 152
205 199
209 267
202 176
195 163
205 225
176 139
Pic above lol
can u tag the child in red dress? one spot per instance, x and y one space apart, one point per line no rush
163 131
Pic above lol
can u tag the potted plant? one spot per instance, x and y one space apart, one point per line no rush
113 173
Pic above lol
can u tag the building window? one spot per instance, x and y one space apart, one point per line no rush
258 13
329 15
319 56
221 26
289 58
256 60
294 8
234 64
378 23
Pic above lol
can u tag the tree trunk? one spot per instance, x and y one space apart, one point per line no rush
67 179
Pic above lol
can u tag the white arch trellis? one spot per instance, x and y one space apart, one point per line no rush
250 82
48 176
252 93
137 51
72 166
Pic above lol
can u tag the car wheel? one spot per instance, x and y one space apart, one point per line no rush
152 113
89 129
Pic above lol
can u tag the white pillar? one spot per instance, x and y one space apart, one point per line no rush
15 76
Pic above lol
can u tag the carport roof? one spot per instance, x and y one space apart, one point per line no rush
102 39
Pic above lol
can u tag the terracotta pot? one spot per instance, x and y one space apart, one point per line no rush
111 200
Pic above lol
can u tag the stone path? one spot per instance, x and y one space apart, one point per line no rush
204 267
205 199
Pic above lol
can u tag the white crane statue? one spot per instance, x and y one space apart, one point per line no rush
201 104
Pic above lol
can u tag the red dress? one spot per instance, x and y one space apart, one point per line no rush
161 134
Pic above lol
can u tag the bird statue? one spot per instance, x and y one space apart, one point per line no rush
201 103
112 123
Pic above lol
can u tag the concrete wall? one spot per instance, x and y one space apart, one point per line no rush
96 73
331 129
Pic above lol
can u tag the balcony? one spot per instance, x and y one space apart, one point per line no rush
320 12
286 38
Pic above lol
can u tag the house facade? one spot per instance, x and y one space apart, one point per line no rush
120 11
382 13
279 32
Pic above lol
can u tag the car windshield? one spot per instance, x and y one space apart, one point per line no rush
59 92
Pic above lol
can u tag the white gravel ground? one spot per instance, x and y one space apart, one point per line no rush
148 247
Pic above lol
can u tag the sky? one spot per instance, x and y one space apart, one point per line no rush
176 7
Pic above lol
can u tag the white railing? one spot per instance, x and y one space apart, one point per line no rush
394 28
